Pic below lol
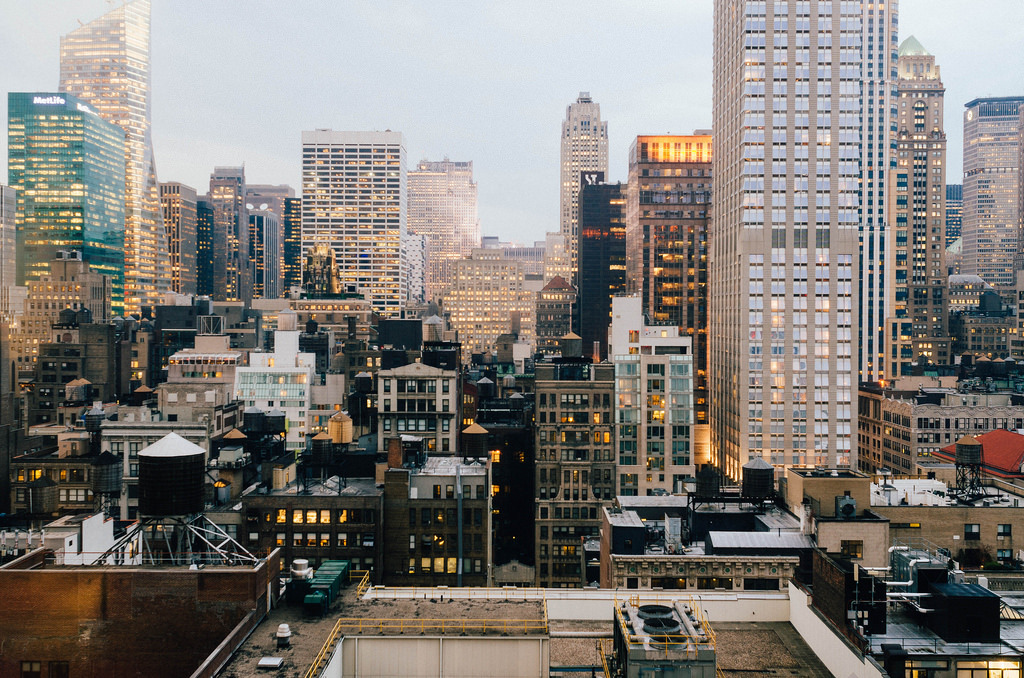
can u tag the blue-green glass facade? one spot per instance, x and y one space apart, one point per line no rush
68 165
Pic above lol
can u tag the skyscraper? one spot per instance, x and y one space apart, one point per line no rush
68 166
232 273
876 52
291 248
443 207
265 253
668 208
106 64
354 197
916 248
204 247
8 250
584 151
602 264
991 174
179 209
954 212
784 242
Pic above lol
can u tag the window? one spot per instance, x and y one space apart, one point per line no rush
342 539
714 583
972 532
31 669
852 548
1003 530
437 491
279 539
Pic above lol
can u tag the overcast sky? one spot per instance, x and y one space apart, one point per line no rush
483 81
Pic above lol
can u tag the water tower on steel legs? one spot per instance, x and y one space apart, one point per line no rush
174 529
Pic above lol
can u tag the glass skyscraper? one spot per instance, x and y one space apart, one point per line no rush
67 164
106 64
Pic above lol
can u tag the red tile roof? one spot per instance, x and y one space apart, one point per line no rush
1002 452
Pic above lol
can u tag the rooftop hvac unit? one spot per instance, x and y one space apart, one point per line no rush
846 507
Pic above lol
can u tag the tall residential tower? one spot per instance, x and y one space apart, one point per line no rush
106 64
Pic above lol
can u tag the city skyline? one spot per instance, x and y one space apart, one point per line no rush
515 61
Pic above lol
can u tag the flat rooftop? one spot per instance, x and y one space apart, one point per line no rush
331 487
930 492
446 466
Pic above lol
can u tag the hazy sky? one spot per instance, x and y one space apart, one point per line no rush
489 82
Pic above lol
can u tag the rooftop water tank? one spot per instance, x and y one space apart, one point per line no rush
171 477
707 482
968 451
758 479
106 474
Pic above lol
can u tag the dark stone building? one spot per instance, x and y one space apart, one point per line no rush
602 263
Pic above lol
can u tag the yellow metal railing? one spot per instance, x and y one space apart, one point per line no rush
459 593
605 649
414 625
364 581
325 652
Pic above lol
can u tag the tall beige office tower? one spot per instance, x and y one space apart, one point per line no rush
443 207
991 218
354 198
584 159
787 116
916 287
106 63
179 207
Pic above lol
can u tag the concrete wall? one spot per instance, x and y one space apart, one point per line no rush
873 535
841 659
450 656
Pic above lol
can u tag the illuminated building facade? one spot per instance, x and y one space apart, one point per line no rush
487 299
917 284
668 208
106 64
785 241
584 151
232 275
443 207
179 207
67 164
68 283
354 198
990 224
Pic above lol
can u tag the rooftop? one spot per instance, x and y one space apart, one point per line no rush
917 491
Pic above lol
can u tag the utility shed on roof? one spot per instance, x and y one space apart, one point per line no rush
756 543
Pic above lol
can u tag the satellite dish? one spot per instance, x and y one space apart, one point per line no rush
264 206
248 206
